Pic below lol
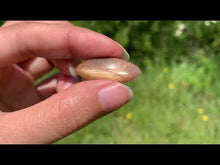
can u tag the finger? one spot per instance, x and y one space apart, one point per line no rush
17 90
54 84
64 82
63 113
47 88
27 40
66 66
9 23
36 67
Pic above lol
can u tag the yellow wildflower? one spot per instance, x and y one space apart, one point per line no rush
205 118
165 70
171 85
201 110
128 116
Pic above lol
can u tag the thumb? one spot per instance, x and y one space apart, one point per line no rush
63 113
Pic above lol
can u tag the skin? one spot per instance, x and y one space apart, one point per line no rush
53 109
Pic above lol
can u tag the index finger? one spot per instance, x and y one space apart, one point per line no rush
53 41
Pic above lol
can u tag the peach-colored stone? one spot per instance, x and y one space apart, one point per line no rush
108 68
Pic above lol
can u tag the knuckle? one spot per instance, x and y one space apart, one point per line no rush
68 46
24 47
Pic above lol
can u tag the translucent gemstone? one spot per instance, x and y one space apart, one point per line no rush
108 68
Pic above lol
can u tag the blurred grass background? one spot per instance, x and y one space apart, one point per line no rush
177 98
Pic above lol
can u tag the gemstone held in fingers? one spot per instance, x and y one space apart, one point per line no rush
108 68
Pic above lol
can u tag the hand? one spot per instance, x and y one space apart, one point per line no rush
60 105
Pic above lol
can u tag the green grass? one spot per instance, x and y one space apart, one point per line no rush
160 114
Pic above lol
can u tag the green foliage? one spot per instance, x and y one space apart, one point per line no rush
163 41
1 23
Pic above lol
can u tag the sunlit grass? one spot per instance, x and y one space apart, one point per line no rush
51 73
189 113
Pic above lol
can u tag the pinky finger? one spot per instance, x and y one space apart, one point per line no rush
54 84
47 88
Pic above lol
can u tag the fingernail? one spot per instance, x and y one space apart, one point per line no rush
72 70
125 54
113 96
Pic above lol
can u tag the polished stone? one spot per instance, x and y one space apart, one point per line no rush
108 68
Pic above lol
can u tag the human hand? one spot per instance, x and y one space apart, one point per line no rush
60 105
